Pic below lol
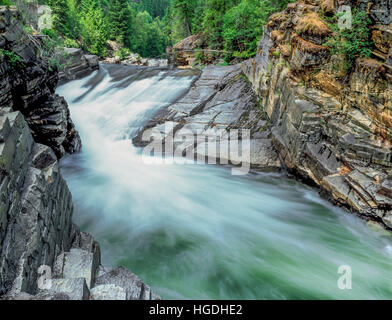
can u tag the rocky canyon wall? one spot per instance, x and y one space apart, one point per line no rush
331 130
36 206
28 83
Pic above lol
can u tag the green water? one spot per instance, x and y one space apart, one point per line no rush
197 232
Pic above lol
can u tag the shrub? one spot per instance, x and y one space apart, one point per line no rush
50 51
353 42
70 43
51 33
14 62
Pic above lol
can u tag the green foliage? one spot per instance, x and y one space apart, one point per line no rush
146 36
53 34
27 29
5 2
183 18
353 42
148 26
92 22
234 26
50 52
155 8
59 12
242 27
70 43
93 28
73 26
119 20
14 61
213 20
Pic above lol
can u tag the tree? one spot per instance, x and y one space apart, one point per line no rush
119 20
59 12
72 20
183 18
5 3
93 28
213 20
156 8
242 27
146 36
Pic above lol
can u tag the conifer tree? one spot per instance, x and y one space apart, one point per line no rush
93 30
119 19
59 12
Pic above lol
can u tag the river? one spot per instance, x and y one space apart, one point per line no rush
194 231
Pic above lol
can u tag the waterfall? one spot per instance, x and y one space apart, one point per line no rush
195 231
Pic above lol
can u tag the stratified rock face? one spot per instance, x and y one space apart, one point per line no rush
204 120
36 207
29 85
185 50
123 279
333 133
77 64
36 228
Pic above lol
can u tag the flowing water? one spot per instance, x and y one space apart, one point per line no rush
195 231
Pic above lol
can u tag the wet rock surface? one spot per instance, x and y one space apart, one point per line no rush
328 132
220 102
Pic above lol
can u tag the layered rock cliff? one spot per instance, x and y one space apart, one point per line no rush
76 64
329 130
37 236
28 85
36 229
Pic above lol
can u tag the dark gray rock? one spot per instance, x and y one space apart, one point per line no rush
29 87
35 203
42 295
36 208
329 133
77 64
219 101
380 10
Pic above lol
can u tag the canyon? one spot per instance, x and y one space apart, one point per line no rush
304 122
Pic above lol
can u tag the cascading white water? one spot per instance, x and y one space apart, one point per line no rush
194 231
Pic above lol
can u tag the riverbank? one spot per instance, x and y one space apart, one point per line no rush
195 231
329 138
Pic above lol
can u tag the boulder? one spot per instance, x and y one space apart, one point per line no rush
77 263
121 277
75 289
108 292
185 50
